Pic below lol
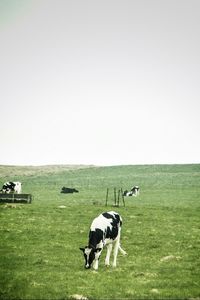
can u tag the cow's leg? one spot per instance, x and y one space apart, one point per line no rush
96 264
122 251
115 252
96 260
109 250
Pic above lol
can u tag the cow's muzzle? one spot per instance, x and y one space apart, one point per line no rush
87 266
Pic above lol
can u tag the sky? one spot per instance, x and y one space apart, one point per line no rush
103 82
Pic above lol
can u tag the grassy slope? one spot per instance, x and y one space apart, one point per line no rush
40 256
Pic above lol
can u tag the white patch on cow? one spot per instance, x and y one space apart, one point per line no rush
101 222
18 187
87 251
109 250
130 194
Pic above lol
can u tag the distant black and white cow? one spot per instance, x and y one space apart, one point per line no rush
104 231
135 190
66 190
126 193
12 187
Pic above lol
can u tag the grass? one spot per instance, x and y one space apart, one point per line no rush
39 250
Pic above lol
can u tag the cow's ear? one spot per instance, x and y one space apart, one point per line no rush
82 249
98 249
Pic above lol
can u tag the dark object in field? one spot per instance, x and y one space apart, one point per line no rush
16 198
66 190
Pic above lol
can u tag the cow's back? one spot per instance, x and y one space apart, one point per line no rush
105 227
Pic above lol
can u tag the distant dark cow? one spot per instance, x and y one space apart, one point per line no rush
135 190
66 190
104 230
12 187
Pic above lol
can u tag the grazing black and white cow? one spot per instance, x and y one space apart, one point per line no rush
66 190
12 187
135 190
104 231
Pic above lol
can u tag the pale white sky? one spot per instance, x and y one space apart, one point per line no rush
102 82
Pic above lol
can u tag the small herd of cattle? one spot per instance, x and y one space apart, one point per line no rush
16 187
135 190
104 231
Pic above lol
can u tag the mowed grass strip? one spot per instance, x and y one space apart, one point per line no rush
40 256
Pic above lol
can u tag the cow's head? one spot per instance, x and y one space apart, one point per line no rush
90 254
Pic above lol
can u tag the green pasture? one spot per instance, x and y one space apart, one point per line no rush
39 249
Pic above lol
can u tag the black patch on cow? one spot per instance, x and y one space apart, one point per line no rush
107 215
115 218
95 237
125 193
112 234
116 223
8 187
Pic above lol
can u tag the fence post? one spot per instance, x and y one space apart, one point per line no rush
123 197
118 198
107 196
115 199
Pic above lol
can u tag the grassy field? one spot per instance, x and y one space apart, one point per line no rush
39 249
